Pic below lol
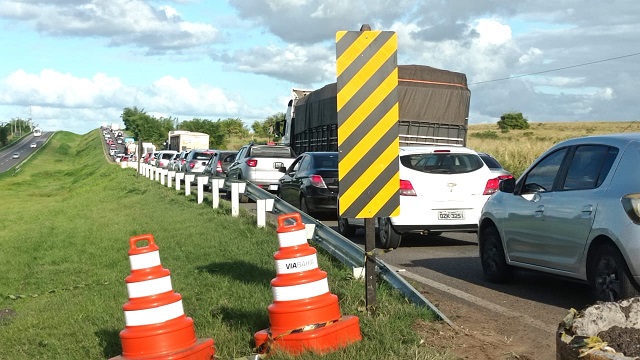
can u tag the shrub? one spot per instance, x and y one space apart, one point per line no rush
514 121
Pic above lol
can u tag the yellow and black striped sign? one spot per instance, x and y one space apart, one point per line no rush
368 115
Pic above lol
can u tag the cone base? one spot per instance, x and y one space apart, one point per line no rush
203 349
322 340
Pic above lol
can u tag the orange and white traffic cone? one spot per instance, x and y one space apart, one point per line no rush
156 326
304 314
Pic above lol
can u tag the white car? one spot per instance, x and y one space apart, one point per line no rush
33 145
442 189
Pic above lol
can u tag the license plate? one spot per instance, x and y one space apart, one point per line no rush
277 165
273 187
451 215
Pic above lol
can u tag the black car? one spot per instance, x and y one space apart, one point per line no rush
311 183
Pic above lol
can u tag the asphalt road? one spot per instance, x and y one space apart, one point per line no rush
23 148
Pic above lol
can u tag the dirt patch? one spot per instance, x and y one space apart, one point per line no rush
479 334
624 340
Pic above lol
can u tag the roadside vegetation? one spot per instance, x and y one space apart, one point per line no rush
66 218
516 149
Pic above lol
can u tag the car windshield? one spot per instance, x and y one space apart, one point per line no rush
442 163
271 151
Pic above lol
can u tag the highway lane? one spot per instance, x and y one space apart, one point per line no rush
22 147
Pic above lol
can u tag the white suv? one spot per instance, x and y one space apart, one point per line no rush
442 189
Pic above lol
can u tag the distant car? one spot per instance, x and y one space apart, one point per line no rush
196 160
34 145
442 189
311 183
163 157
575 212
219 162
15 155
494 165
179 162
260 164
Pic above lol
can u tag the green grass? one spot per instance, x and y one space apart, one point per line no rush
65 221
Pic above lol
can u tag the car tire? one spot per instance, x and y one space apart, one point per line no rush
344 228
387 237
304 207
492 257
609 276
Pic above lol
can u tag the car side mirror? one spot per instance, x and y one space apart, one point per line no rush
507 185
282 169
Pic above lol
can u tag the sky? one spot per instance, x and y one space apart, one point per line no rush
74 65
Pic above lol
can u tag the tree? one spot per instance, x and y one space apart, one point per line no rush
515 121
233 127
265 128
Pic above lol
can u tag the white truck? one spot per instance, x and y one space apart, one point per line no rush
180 140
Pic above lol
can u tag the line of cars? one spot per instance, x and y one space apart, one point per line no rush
575 212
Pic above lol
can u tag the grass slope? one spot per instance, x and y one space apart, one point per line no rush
65 221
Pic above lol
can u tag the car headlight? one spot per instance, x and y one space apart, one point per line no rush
631 205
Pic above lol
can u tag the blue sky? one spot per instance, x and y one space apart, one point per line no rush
75 64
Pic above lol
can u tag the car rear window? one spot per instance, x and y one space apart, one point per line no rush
491 162
167 155
202 156
271 151
442 163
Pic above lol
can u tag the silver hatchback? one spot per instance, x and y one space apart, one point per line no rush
575 212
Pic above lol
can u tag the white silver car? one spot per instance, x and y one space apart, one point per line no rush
575 212
442 189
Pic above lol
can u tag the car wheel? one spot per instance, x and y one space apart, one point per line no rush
344 228
304 207
494 263
387 237
609 276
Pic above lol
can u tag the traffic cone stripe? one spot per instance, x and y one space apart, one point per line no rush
144 261
292 238
154 315
149 287
290 266
302 291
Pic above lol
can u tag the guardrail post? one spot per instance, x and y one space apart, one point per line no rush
156 176
179 177
262 206
237 188
163 174
188 178
170 176
216 184
201 181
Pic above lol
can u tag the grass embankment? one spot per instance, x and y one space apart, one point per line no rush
66 218
517 149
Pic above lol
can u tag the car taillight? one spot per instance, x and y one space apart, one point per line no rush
317 181
219 166
192 164
631 205
406 188
492 184
252 162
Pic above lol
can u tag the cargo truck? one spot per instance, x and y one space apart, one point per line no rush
180 140
433 106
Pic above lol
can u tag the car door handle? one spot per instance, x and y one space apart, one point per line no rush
539 211
587 210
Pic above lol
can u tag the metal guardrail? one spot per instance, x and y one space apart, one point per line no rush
343 249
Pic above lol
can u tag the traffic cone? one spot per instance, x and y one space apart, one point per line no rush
304 314
156 326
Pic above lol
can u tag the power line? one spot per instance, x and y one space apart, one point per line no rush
557 69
